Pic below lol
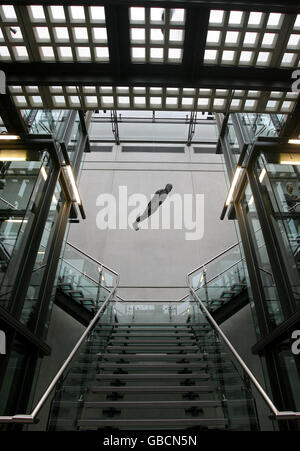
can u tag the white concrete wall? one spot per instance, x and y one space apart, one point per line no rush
153 258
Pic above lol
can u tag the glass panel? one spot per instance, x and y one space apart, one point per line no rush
281 182
13 379
261 125
273 307
222 280
32 300
232 139
23 189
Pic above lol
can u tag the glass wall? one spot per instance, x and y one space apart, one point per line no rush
23 188
33 297
272 307
280 185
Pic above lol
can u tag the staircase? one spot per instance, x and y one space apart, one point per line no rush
153 376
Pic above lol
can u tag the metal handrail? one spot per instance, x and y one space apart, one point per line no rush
288 415
30 419
92 258
212 259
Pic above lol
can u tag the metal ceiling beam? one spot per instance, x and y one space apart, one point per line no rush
291 128
291 6
11 116
162 75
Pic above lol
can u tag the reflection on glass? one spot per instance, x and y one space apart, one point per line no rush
282 183
273 307
23 185
32 304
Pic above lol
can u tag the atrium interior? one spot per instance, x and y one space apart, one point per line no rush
190 321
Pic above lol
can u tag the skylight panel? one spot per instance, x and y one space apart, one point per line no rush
177 15
61 34
255 19
272 105
57 13
8 13
232 37
157 14
228 56
124 101
20 52
269 40
36 100
250 105
102 53
210 55
171 101
288 59
213 37
99 34
140 101
263 58
138 34
250 39
47 53
65 53
91 100
15 33
56 89
246 57
74 100
156 35
20 100
187 101
155 101
235 18
176 35
137 14
175 54
156 53
80 34
294 41
138 53
77 13
202 102
42 34
219 103
83 53
36 13
216 17
59 100
1 36
297 22
274 20
97 14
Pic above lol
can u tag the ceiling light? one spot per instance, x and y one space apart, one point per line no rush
290 158
9 137
294 141
13 155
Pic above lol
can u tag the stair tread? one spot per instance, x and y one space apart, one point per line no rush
153 376
153 388
208 403
155 422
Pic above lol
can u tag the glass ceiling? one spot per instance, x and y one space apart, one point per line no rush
79 34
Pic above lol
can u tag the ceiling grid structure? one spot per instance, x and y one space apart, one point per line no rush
140 57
